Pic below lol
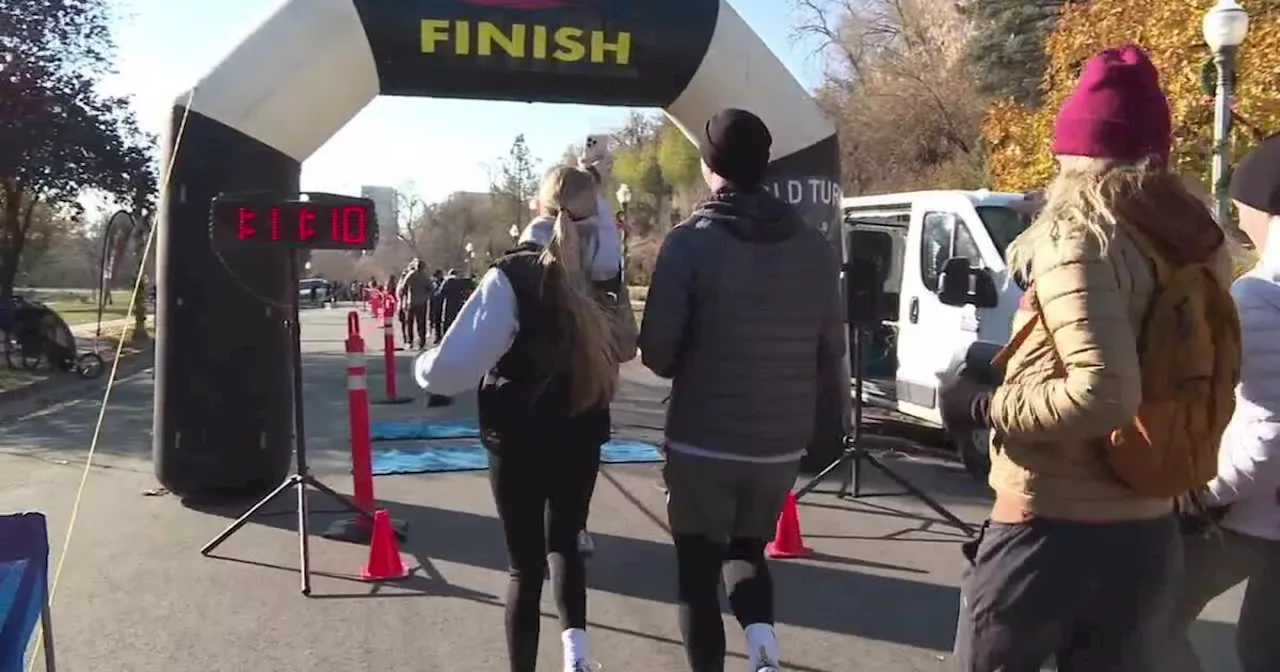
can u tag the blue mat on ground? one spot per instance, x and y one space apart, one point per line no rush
408 430
473 457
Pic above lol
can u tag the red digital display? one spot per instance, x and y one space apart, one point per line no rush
341 223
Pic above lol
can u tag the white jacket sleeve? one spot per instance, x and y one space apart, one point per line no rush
1249 459
481 334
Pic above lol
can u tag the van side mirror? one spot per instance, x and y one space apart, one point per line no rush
960 284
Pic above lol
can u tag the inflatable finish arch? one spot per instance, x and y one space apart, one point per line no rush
222 400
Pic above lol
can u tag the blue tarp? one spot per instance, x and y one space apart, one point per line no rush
473 457
409 430
24 584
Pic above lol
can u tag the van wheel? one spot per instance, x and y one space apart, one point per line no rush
975 453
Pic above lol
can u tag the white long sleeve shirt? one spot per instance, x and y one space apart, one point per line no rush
481 334
1249 459
487 325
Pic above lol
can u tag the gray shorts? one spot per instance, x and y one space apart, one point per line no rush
725 499
1094 596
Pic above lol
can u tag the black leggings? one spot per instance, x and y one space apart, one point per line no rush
699 564
437 324
406 326
418 319
543 494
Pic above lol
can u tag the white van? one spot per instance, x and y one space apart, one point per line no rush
923 325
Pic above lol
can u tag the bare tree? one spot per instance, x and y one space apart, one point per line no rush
464 217
410 211
899 92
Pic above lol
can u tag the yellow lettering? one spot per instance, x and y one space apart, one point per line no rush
569 47
462 45
621 49
485 38
434 31
488 34
540 43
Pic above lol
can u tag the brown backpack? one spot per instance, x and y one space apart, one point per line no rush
1189 353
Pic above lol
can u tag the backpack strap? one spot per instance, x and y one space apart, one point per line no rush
1002 357
1159 265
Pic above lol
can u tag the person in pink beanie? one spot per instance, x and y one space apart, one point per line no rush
1075 561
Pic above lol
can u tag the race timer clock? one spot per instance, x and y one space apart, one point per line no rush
310 221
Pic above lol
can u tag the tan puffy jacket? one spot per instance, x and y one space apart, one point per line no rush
1048 428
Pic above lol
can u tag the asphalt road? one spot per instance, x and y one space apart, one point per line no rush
134 594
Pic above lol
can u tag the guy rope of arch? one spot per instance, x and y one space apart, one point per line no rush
166 173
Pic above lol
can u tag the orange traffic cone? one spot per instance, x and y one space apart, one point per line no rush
787 540
384 552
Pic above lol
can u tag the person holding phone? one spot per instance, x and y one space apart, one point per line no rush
547 350
603 243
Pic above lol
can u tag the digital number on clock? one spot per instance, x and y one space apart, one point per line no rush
331 222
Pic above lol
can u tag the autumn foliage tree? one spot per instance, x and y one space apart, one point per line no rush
1018 136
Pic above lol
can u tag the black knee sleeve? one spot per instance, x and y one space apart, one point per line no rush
748 582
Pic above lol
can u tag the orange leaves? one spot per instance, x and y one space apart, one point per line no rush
1018 138
1018 145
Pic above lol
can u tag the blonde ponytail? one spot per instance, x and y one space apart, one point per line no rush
586 326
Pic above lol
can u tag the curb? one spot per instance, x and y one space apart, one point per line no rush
27 399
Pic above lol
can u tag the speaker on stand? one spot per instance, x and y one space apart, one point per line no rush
864 291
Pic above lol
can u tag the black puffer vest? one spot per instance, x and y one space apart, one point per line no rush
525 399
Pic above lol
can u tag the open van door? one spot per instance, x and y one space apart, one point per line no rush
930 333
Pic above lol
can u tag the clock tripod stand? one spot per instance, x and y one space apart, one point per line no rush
863 285
301 480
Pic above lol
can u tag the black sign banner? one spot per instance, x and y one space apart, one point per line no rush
596 52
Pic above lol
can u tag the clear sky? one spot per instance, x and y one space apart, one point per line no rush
440 146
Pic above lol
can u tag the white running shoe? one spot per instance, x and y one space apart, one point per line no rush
767 665
586 546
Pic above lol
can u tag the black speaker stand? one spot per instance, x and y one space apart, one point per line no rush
855 454
301 479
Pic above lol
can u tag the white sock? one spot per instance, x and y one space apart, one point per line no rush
575 646
762 645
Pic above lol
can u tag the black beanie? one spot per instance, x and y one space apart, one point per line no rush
1256 182
736 147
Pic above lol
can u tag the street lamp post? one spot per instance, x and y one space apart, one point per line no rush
1225 26
624 201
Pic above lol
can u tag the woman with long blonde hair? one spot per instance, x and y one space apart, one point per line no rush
1077 561
545 350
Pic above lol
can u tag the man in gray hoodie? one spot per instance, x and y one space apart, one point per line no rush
743 313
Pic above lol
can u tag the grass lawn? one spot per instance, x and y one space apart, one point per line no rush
79 307
11 378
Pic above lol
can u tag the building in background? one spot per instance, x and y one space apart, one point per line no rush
385 206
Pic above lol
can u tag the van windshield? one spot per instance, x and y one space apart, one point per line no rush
1003 224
